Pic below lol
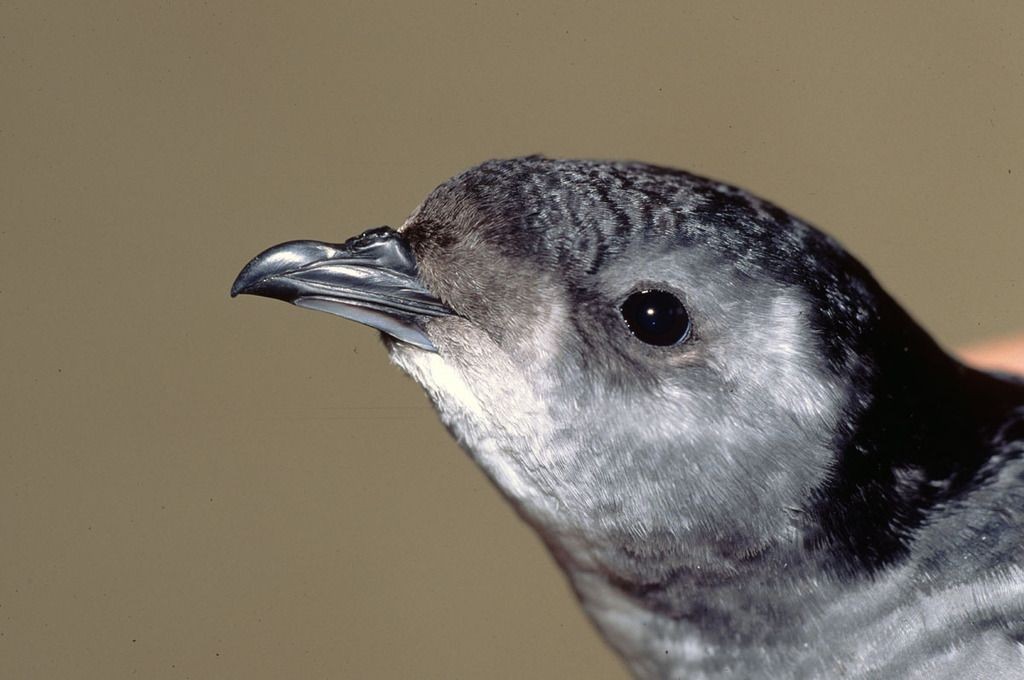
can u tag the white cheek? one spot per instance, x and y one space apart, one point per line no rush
495 413
792 366
768 353
445 385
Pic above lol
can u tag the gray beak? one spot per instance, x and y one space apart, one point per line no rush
371 278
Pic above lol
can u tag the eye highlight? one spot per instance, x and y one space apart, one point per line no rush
656 317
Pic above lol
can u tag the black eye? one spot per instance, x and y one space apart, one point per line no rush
656 317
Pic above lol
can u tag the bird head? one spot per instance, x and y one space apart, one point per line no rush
643 361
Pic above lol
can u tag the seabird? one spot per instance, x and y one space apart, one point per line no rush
746 457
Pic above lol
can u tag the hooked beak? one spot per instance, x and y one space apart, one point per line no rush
371 278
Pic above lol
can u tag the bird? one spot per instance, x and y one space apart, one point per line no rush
747 458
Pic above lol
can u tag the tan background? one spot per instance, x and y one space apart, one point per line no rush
195 487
